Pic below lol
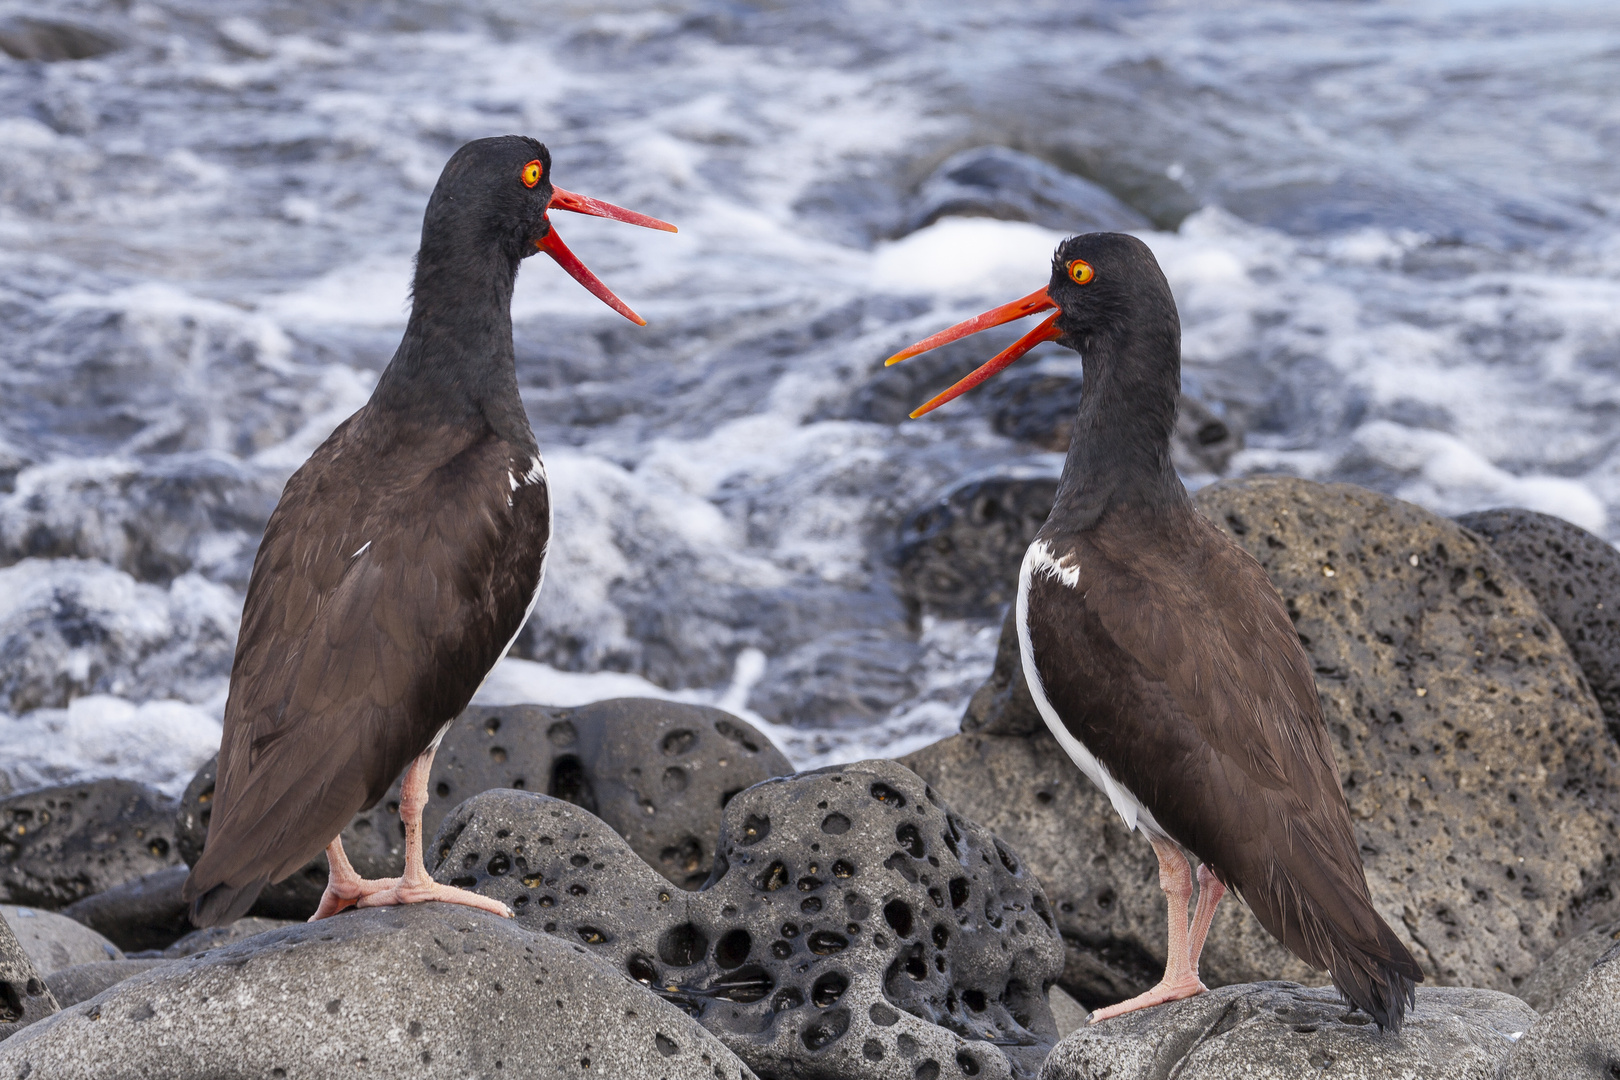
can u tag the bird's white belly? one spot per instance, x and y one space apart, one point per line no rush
1038 560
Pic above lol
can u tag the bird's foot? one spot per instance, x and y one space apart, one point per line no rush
402 892
1167 990
344 891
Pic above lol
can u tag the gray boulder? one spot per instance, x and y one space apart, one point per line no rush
1565 969
657 771
854 927
24 997
1579 1038
213 937
993 181
81 982
1461 725
62 844
431 990
1283 1031
146 913
1576 578
54 942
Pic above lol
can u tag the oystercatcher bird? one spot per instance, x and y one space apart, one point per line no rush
1163 659
401 562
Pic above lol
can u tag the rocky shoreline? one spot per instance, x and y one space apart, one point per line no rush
685 906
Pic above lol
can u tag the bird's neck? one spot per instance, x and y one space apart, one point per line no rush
455 364
1119 454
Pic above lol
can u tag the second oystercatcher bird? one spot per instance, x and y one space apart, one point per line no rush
1163 659
403 559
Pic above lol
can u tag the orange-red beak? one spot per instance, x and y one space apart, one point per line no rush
1006 313
552 244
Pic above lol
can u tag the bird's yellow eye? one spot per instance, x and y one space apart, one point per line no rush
531 174
1080 272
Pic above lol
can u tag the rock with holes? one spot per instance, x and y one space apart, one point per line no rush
1461 727
959 555
854 927
146 913
24 997
61 844
1576 578
429 990
1566 969
657 771
1283 1031
54 942
1579 1037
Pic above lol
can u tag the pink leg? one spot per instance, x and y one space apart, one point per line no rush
1180 976
415 886
1210 891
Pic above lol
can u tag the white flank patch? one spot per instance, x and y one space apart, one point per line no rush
1039 559
361 550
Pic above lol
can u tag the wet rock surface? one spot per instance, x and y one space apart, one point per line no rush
1282 1031
1567 968
657 771
1461 727
24 997
62 844
993 181
1579 1037
429 990
1576 578
854 927
28 38
146 913
54 942
71 985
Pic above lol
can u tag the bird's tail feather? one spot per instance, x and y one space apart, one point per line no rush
225 903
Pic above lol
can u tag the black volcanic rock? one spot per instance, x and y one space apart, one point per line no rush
993 181
959 556
854 927
146 913
657 771
1576 577
65 843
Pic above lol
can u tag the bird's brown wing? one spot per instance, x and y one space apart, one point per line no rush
371 618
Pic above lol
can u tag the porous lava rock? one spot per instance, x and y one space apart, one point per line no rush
81 982
61 844
1002 704
1579 1038
54 942
854 926
24 997
959 555
1282 1031
659 772
146 913
430 990
1566 969
1461 727
1576 578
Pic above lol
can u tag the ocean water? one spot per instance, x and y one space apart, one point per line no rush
1393 230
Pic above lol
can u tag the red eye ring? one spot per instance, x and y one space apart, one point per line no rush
1080 272
531 173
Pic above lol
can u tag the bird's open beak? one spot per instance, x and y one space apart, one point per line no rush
552 244
1029 305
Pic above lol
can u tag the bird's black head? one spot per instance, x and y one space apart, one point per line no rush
1104 285
494 193
492 200
1102 282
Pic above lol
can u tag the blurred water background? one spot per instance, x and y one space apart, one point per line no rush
1393 230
